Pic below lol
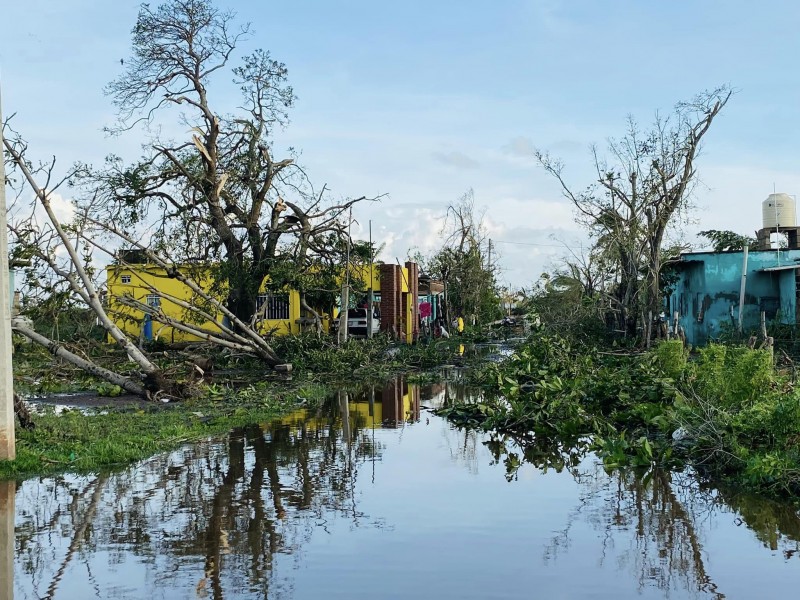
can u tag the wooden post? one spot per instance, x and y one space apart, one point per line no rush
343 332
7 491
7 440
343 327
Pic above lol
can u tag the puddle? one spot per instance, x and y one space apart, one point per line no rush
375 497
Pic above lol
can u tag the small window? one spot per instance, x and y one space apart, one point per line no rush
274 306
125 279
154 300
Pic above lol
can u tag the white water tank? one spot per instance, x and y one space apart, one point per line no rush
778 210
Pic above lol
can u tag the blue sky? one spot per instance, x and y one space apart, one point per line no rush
424 100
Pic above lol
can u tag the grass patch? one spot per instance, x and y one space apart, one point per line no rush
84 443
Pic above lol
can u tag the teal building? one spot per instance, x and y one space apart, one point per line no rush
706 295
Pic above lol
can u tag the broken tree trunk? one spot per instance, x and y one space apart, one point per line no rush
60 351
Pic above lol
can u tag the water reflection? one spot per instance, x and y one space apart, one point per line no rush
649 521
775 524
645 527
7 493
372 497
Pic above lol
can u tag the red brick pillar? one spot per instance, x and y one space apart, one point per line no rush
390 286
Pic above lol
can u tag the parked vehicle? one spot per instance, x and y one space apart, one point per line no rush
357 322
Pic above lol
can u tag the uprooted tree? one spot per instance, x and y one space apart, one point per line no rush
643 188
214 192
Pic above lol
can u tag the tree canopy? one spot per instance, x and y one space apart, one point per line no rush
643 187
218 194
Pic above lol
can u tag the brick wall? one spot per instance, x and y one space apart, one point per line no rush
390 285
394 303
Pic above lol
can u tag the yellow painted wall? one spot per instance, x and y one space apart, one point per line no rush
362 273
147 280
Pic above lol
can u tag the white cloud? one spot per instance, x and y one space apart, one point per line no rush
520 146
456 159
63 208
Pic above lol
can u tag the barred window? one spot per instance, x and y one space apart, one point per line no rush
273 306
125 279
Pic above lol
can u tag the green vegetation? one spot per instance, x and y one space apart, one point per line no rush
726 411
364 359
82 442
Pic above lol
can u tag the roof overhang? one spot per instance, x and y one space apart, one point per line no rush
778 268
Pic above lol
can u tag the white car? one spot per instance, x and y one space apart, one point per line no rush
357 322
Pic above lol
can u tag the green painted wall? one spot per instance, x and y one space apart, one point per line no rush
707 292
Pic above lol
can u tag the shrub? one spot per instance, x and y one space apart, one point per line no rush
671 357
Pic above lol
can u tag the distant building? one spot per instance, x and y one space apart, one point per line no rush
395 289
706 295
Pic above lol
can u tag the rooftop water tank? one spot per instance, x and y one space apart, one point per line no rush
778 210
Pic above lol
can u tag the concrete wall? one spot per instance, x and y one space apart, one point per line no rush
707 292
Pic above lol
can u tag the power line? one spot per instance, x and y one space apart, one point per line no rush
530 244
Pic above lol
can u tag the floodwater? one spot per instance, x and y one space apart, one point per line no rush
375 497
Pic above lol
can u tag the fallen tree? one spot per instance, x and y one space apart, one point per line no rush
45 242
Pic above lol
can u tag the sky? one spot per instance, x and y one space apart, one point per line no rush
423 101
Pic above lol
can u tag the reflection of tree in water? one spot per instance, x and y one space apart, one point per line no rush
775 524
643 512
650 521
463 443
214 516
648 526
544 453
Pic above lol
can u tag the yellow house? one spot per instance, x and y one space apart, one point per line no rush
281 311
151 285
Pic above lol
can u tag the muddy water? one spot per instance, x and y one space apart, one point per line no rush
375 497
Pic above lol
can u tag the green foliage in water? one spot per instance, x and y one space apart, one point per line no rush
727 410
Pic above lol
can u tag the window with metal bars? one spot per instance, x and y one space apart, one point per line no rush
273 306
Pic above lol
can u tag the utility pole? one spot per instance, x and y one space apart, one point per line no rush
8 449
371 291
343 328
